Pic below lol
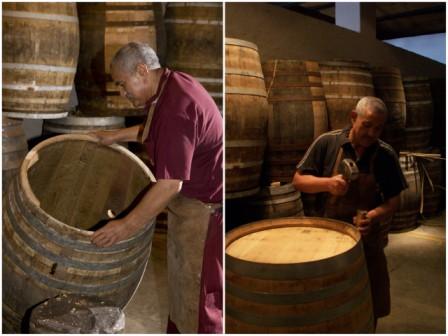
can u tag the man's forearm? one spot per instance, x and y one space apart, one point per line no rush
127 134
153 202
310 183
385 210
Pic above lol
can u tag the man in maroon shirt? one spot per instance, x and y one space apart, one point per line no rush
183 137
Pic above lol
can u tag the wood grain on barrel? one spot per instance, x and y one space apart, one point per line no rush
406 218
274 202
344 82
76 124
246 118
46 250
40 54
389 87
105 28
291 291
290 245
299 113
419 113
194 43
14 149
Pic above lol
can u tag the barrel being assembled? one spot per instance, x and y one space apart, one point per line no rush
246 118
297 275
40 54
194 43
67 186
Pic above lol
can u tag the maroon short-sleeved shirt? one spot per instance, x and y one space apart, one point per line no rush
185 138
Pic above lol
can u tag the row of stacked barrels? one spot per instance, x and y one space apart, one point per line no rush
276 108
50 51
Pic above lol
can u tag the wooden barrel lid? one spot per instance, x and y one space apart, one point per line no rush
290 245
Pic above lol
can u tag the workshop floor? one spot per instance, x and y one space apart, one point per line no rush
417 270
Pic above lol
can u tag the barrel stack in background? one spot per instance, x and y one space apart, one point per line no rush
47 214
419 113
194 43
298 116
406 218
106 27
309 287
14 149
246 118
389 87
344 82
40 54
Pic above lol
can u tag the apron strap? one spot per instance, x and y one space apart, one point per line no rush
143 131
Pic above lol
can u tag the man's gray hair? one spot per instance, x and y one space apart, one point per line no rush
134 53
373 104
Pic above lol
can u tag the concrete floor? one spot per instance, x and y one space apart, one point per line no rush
416 261
417 270
147 312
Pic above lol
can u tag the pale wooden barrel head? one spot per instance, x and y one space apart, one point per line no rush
290 245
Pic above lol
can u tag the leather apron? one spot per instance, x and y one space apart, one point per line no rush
188 221
363 194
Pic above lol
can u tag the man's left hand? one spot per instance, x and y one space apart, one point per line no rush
113 232
364 225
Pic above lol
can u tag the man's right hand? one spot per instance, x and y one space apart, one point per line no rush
337 185
105 137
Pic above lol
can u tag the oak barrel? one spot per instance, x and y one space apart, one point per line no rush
68 186
297 275
14 149
406 218
419 113
246 118
40 54
275 201
194 43
389 87
299 113
105 27
76 124
345 82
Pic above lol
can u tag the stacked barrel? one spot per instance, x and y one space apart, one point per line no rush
344 82
194 43
389 87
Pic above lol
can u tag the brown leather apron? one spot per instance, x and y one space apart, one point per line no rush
188 221
363 194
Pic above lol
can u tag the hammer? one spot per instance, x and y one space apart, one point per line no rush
348 169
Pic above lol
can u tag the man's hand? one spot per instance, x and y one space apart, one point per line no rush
113 232
337 185
105 137
364 225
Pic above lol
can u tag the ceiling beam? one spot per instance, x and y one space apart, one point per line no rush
420 11
305 11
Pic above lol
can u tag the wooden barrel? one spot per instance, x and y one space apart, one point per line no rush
431 173
14 149
389 87
297 275
194 43
275 201
75 124
69 185
419 113
299 114
105 27
40 54
406 218
246 118
345 83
